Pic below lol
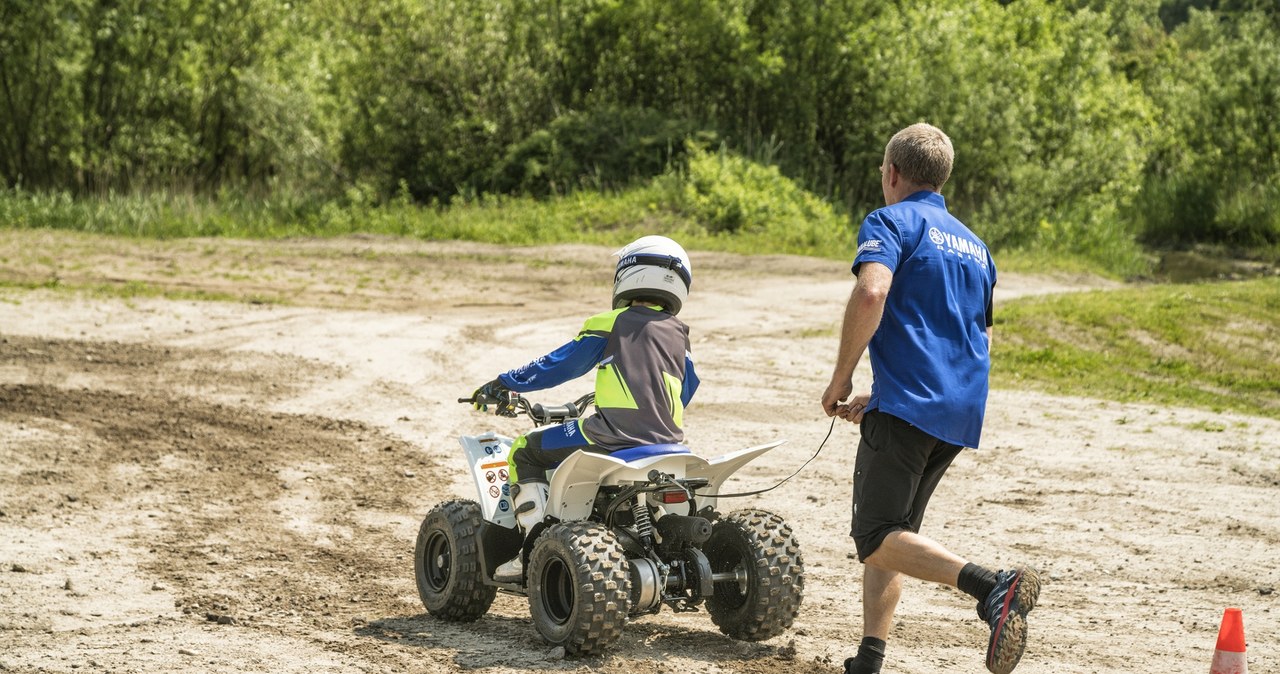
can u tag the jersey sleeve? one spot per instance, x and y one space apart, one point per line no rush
568 362
879 240
691 381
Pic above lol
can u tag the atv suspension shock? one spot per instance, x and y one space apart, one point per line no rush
644 524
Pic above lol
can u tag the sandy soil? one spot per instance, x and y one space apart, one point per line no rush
235 485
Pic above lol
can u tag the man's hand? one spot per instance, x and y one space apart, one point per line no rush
836 392
833 401
855 409
494 392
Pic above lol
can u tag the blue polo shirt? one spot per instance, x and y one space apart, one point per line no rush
930 356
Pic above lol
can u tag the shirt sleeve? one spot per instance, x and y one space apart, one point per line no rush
565 363
691 381
879 240
991 314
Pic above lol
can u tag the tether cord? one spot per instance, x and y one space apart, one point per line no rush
761 491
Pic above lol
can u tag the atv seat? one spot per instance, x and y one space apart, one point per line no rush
645 451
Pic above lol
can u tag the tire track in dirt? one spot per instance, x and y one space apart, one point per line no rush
252 517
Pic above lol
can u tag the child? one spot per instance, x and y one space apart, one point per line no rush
644 378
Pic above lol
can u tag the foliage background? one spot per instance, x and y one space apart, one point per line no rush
1082 127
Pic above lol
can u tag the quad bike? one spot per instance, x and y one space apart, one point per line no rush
624 534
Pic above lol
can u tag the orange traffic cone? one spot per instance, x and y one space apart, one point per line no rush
1228 657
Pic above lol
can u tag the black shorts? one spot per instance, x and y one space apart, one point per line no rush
897 468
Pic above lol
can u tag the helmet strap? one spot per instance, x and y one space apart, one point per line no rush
664 261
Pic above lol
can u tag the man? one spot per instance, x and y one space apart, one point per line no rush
922 304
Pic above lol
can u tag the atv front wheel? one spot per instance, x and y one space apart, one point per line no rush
760 575
446 563
579 587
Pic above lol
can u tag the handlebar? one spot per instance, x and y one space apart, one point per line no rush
540 414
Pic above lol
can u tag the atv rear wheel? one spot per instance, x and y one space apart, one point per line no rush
579 587
446 563
760 551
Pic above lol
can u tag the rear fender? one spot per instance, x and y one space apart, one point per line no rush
719 469
577 479
575 482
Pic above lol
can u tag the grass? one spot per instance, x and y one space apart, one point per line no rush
1059 262
1207 345
139 289
581 217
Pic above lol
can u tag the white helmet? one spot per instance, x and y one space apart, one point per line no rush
652 268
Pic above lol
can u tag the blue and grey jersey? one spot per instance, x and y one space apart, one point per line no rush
644 376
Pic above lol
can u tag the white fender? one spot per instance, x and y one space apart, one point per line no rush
719 469
575 482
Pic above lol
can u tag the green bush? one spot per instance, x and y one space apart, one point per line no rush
1049 135
604 148
136 95
1079 124
730 195
1215 177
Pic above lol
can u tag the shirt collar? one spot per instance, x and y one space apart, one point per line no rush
929 197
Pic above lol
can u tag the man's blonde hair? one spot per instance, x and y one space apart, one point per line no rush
922 153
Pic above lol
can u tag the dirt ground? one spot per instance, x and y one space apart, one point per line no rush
232 480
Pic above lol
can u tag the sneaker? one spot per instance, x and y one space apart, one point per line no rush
1005 610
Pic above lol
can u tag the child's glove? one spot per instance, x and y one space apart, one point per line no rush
494 392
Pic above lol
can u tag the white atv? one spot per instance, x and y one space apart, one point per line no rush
624 534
